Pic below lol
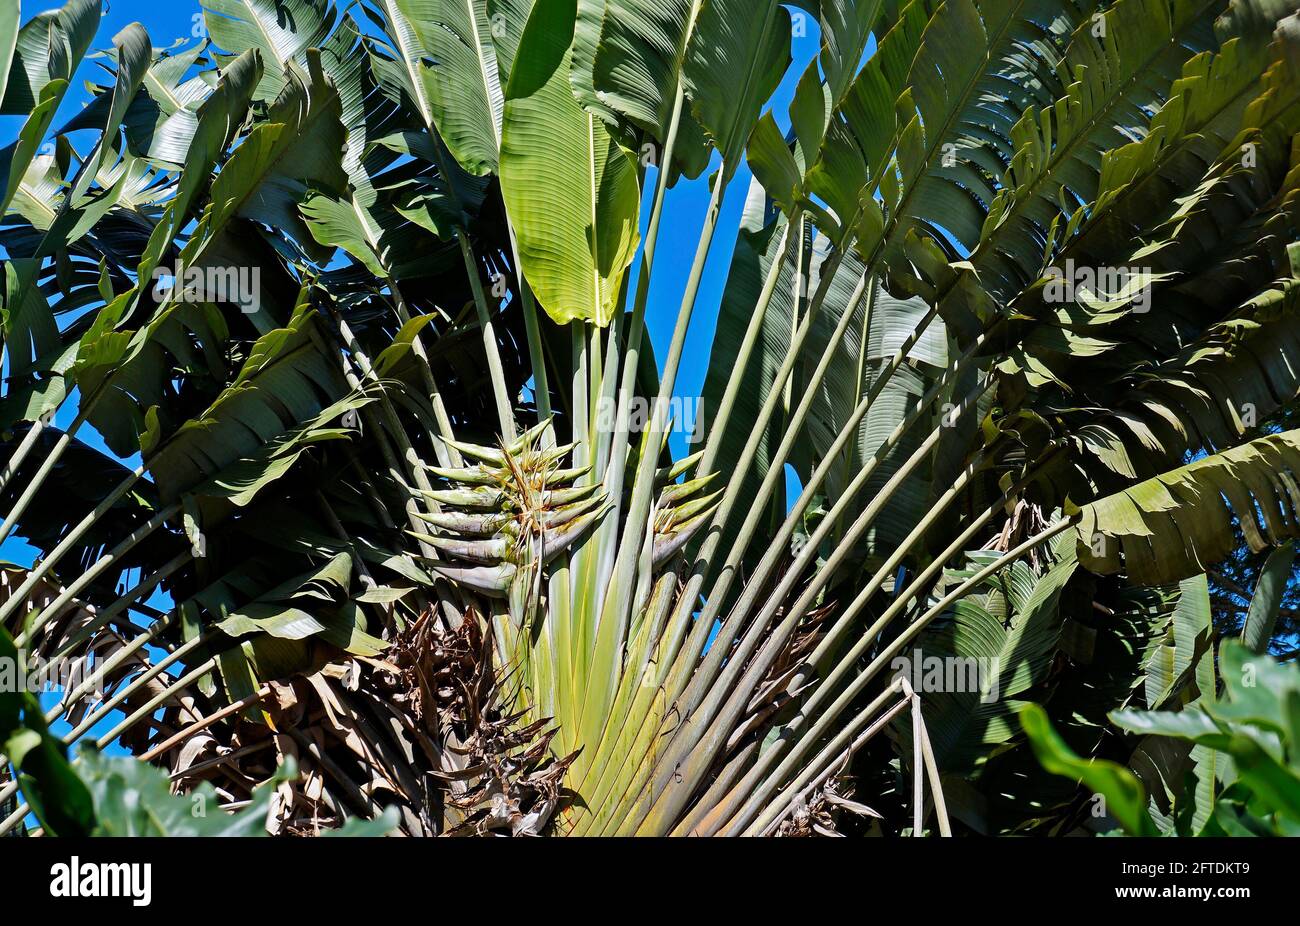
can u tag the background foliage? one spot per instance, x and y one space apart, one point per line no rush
371 519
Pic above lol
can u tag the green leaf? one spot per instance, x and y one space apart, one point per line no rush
1256 724
770 159
738 53
161 118
846 26
295 149
219 117
133 52
460 76
1273 783
339 223
280 396
281 30
570 189
310 605
637 72
133 798
1125 799
47 49
9 16
1177 524
1266 603
1009 630
30 331
1258 689
1190 724
1102 100
1184 641
16 159
47 781
508 18
361 828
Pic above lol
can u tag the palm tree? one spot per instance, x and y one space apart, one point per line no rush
326 362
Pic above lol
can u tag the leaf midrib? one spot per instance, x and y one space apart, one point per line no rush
750 75
483 72
253 18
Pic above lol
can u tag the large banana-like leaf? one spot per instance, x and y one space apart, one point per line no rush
132 50
949 154
1117 70
20 158
1266 602
123 370
290 610
846 27
30 331
46 52
1204 112
461 80
107 349
569 187
281 30
287 379
637 70
508 19
1179 523
737 54
218 119
47 48
1182 642
1005 636
1216 390
9 22
294 150
162 116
